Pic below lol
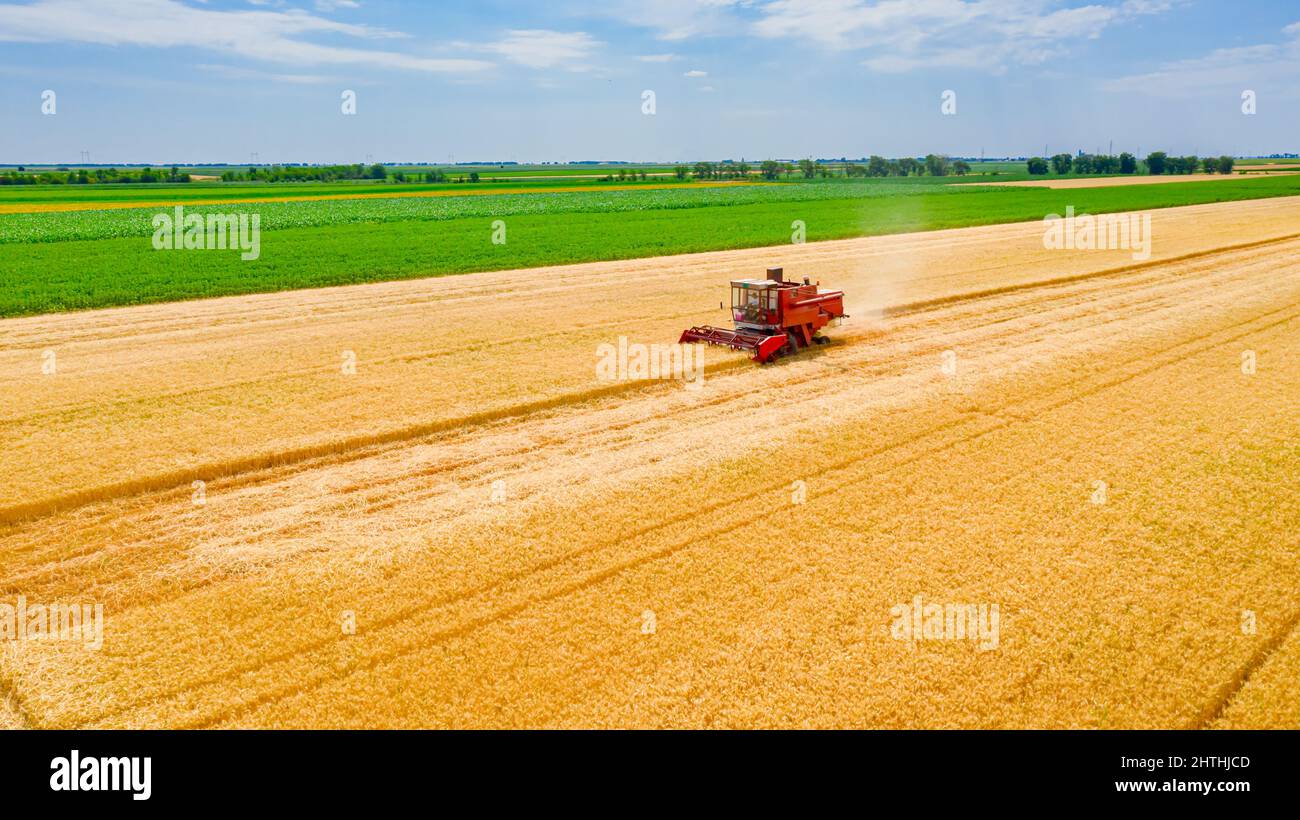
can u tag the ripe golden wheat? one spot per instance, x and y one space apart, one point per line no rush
520 544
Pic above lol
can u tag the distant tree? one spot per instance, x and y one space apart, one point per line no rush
808 168
1191 164
1105 164
377 171
908 166
473 176
1157 162
1226 164
1037 166
1083 164
936 166
1210 165
894 168
742 169
770 169
877 167
1127 163
680 171
1061 164
961 167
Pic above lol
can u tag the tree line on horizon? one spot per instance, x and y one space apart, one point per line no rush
1157 163
96 176
876 166
935 165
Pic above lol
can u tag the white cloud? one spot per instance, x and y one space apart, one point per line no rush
271 36
901 35
678 19
540 48
1223 70
658 58
695 72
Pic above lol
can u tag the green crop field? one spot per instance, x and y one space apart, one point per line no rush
542 171
59 226
200 191
55 261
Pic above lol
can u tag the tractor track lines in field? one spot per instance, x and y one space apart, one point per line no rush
11 702
862 357
452 290
1123 270
744 502
1231 688
994 421
131 553
255 462
230 316
252 463
525 574
282 377
973 480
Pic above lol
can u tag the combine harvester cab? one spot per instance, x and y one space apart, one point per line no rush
773 317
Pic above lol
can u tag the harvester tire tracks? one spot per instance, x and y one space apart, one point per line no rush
257 462
1000 422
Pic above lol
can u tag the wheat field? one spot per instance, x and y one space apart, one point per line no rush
1070 436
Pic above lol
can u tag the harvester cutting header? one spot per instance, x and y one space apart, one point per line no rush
773 317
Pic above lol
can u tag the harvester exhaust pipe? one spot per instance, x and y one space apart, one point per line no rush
776 274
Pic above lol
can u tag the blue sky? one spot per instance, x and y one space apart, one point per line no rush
188 81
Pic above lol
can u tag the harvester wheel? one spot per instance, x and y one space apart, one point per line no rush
792 345
822 340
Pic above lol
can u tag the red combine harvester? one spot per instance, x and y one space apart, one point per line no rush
773 317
